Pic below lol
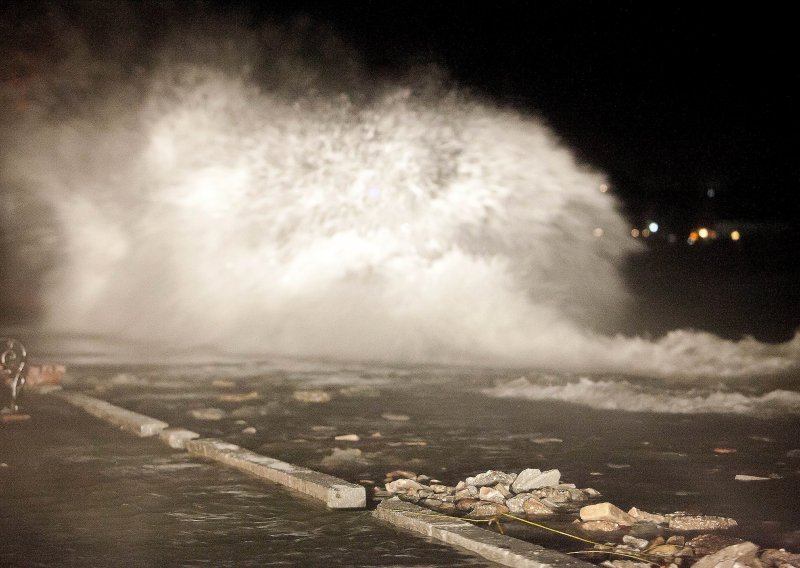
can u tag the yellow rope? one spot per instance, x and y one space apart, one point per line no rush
606 549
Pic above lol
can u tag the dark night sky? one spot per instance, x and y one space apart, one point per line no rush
670 99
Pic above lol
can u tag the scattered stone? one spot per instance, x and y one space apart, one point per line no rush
490 477
177 437
311 396
599 526
515 503
751 478
488 509
405 474
207 413
339 457
253 395
504 490
577 495
643 516
606 512
431 503
677 539
665 550
376 435
439 488
532 506
469 492
347 438
625 564
466 504
779 558
700 523
638 543
402 485
249 430
395 417
592 493
740 554
490 494
533 479
706 544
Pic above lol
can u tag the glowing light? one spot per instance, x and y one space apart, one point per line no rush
635 233
598 232
603 187
702 232
653 226
645 233
710 193
693 236
735 235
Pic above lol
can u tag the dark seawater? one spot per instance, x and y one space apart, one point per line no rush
660 457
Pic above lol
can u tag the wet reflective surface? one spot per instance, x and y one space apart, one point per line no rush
76 492
438 422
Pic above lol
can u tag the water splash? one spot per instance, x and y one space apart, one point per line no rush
277 205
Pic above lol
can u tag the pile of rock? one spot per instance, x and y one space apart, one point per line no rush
531 492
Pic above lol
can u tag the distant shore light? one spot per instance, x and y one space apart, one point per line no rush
703 233
653 226
635 233
603 187
598 232
735 235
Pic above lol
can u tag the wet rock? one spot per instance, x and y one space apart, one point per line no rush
347 438
737 554
439 488
395 417
446 508
207 413
311 396
742 477
488 509
466 504
431 503
405 474
625 564
599 526
779 558
591 493
533 506
644 516
553 494
577 495
470 492
677 539
606 512
340 457
638 543
490 477
706 544
700 523
533 479
514 504
249 430
460 485
504 490
403 484
489 494
252 395
665 550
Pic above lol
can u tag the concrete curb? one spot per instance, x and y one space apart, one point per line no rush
498 548
335 492
141 425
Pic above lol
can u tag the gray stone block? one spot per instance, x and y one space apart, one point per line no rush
490 545
139 424
177 437
335 492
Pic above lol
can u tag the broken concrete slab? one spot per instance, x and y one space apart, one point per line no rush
177 437
335 492
498 548
139 424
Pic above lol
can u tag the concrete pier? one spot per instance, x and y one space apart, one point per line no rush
139 424
335 492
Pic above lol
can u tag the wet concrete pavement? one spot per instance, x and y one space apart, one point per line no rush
76 492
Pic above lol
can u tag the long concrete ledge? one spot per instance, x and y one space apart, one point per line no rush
335 492
139 424
492 546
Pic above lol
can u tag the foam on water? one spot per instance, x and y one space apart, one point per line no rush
272 204
636 397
